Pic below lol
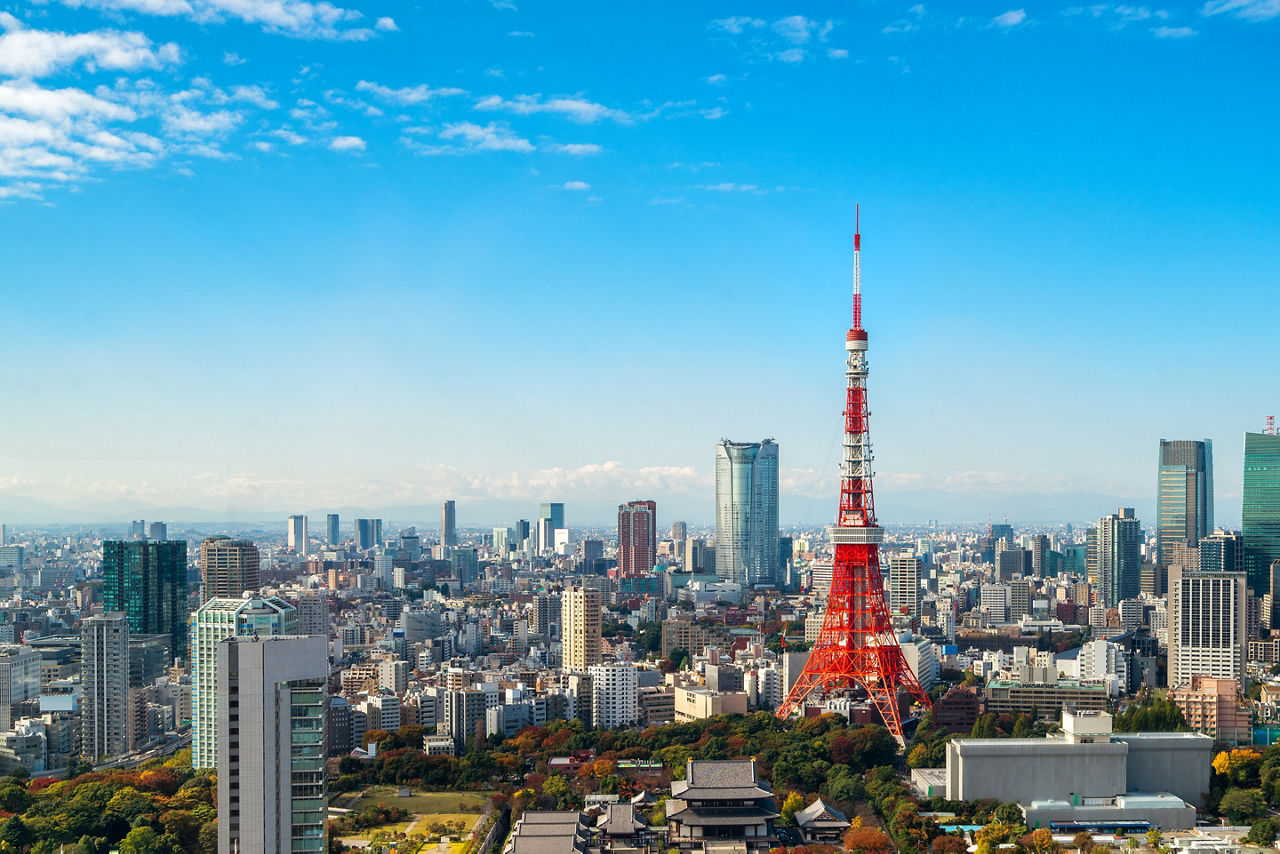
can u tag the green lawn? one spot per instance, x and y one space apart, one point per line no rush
418 803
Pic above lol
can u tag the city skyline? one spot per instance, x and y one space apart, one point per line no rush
529 171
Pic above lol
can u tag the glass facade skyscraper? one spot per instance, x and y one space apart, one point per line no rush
747 512
147 580
1184 495
1260 510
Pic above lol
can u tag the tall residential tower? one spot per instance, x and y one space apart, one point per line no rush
1260 510
637 538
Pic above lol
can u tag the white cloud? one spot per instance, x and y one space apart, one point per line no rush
837 53
183 120
736 25
288 136
1250 10
229 58
715 113
252 95
1010 19
1173 32
717 79
296 18
575 185
386 25
793 54
468 137
35 53
796 29
262 146
729 187
520 34
576 149
408 95
29 99
575 108
347 143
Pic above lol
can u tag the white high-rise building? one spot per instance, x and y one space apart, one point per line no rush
995 600
272 695
104 676
298 534
217 620
904 585
19 682
580 608
747 512
615 693
1207 625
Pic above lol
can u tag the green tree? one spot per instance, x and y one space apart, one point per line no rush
14 799
1240 806
16 833
1008 813
1262 832
141 840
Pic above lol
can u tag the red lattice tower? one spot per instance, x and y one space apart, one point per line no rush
857 648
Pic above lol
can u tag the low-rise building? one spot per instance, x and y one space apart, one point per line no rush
1088 773
1214 707
693 704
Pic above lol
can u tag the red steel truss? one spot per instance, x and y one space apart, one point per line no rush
857 648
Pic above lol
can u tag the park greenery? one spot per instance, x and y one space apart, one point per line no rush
164 807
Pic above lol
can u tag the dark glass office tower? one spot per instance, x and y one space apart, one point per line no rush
147 580
1260 511
1184 495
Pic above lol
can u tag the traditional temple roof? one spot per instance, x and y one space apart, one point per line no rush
619 820
644 799
821 816
707 779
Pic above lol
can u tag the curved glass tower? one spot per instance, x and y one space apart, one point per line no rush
747 512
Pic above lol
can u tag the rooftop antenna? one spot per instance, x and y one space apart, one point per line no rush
1271 425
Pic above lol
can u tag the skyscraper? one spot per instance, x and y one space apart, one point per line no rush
1184 495
272 783
637 538
216 620
331 529
298 534
368 533
553 510
580 610
157 531
228 567
1118 557
747 512
448 524
1224 552
593 556
104 677
679 531
148 581
1207 634
1260 509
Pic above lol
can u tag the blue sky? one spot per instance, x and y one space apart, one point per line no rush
281 254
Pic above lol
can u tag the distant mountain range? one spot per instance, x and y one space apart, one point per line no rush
915 506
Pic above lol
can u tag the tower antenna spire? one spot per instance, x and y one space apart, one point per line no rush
857 267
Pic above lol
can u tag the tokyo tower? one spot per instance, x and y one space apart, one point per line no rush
857 648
